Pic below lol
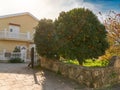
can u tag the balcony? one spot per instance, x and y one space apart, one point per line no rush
15 36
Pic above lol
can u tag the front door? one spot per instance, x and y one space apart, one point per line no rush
23 50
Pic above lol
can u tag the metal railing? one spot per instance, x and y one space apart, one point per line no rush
11 35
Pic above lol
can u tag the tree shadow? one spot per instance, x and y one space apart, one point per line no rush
55 81
17 68
44 78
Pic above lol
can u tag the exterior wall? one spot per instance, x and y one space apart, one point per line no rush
10 45
26 22
93 77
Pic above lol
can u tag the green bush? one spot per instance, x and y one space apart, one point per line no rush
16 60
17 49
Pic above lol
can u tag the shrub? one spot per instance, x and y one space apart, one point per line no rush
16 49
16 60
112 51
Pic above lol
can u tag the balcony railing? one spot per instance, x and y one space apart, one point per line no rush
17 36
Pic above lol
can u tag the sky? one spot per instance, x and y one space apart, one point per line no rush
51 8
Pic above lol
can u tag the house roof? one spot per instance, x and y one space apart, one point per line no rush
18 14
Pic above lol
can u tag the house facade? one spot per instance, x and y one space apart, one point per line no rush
17 30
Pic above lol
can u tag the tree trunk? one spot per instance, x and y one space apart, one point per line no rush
80 61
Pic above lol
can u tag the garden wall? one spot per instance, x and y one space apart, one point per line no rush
91 77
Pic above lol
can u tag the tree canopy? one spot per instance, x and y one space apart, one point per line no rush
44 38
81 35
75 34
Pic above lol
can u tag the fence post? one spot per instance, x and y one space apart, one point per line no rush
32 57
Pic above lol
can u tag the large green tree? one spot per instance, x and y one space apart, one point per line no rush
45 40
80 35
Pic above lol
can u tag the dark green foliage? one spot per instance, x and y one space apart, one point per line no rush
45 39
17 49
76 34
16 60
80 34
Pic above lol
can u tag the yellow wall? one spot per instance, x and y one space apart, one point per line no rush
26 21
10 45
27 24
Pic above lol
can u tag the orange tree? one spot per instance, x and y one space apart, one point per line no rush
80 35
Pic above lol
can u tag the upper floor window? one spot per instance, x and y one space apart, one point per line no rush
11 30
15 28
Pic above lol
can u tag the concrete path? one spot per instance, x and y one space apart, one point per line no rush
20 77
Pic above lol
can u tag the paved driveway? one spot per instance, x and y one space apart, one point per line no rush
20 77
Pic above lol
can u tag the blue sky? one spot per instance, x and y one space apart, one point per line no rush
106 4
52 8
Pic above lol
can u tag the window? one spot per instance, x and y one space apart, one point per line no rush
11 30
14 29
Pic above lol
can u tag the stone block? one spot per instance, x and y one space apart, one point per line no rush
117 63
114 62
92 77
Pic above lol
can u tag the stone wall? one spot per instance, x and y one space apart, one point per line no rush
92 77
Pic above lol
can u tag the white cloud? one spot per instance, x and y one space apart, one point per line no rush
43 8
54 7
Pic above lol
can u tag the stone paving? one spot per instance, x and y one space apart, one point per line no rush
20 77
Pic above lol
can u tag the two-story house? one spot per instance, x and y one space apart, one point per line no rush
16 30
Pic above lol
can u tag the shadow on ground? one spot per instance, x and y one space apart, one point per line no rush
38 76
41 78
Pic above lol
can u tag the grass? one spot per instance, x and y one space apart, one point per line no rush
95 63
89 62
71 62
